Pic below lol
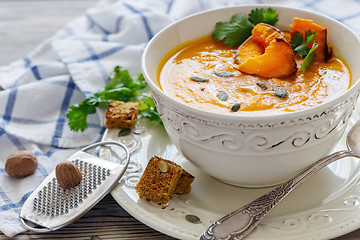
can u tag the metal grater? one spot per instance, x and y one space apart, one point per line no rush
51 207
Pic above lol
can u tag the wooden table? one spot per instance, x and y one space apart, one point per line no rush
25 24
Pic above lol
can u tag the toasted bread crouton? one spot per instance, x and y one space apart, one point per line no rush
185 180
121 114
158 181
161 179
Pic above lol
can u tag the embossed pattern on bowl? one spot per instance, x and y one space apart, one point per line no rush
252 151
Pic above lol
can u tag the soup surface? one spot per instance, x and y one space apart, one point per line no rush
202 74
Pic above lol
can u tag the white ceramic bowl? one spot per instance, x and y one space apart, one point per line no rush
252 151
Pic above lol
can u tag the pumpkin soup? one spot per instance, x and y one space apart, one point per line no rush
206 74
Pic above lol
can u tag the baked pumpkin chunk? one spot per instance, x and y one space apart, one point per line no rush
266 53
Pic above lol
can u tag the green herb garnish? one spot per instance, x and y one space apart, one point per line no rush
121 87
309 58
269 16
299 42
236 31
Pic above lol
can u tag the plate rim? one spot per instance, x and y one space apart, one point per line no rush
171 229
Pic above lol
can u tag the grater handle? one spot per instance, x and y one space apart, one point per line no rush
105 143
127 152
34 229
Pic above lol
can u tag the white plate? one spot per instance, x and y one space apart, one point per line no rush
326 206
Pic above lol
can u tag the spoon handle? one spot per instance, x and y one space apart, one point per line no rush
239 223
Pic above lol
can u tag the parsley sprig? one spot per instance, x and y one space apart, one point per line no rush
269 16
299 45
236 31
309 58
121 87
299 42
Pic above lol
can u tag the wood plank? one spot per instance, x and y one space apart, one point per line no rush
106 220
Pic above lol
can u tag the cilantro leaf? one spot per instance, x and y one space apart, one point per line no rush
299 43
121 87
309 58
296 40
78 113
239 28
256 15
269 16
120 77
234 32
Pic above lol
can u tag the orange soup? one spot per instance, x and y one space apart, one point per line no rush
201 73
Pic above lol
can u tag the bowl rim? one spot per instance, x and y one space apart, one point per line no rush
355 87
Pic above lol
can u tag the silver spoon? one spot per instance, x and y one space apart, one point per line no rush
239 223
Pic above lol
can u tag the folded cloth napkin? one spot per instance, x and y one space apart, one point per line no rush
75 62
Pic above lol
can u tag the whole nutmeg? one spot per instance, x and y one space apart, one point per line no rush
67 174
21 164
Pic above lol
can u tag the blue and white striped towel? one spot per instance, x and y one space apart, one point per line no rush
75 62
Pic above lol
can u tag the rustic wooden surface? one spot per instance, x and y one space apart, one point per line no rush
25 24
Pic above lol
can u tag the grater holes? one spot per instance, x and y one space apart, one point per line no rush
52 200
35 204
39 202
66 208
71 204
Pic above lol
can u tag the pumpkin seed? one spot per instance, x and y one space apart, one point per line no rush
224 74
94 237
192 218
223 96
163 166
124 132
235 107
262 85
280 91
199 79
